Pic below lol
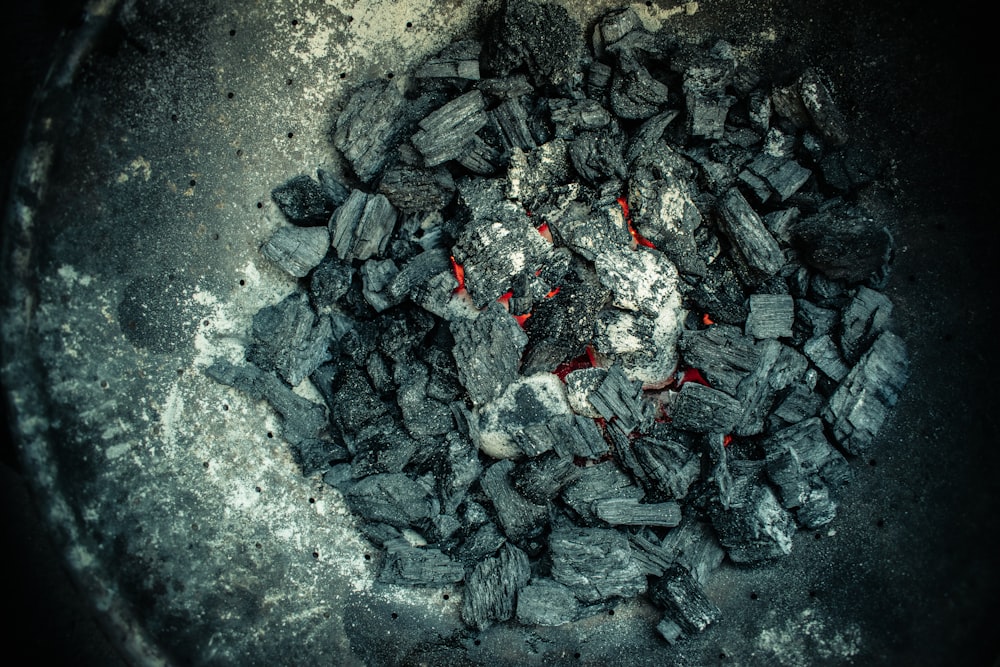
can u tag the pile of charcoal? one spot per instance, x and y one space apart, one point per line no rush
587 319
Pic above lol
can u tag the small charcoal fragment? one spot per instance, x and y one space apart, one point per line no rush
511 122
418 566
864 318
290 339
524 419
446 134
297 250
361 227
619 398
635 94
595 563
303 201
684 602
817 99
369 127
411 189
546 602
392 498
488 352
783 176
492 587
823 352
702 409
771 316
744 227
376 276
329 281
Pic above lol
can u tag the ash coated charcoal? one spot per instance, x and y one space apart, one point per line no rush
864 318
290 339
541 37
597 156
771 316
511 122
560 327
329 281
459 60
588 232
418 566
542 478
580 384
392 498
297 250
532 175
664 212
303 201
754 244
574 116
412 189
546 602
687 607
843 243
369 127
630 512
823 352
861 403
524 418
492 587
445 134
595 563
488 352
604 480
701 409
755 527
722 353
520 518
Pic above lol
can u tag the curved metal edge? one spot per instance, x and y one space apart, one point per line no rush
21 373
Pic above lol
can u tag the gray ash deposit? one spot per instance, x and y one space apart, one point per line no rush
587 318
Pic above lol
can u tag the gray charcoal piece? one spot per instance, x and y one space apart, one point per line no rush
621 399
780 223
684 602
784 176
720 478
668 465
520 518
771 316
669 630
458 60
334 190
648 138
303 201
534 175
579 385
302 421
418 566
800 491
413 189
664 212
644 280
861 403
818 509
515 85
540 479
560 327
817 321
361 227
827 292
392 498
823 352
422 416
381 446
759 110
479 157
573 435
758 187
491 589
595 563
843 243
790 367
744 227
720 293
574 116
694 545
588 232
755 527
376 276
598 80
418 271
817 99
510 120
290 339
463 468
483 543
630 512
330 281
756 393
815 453
525 419
723 354
800 403
446 133
546 602
297 250
354 404
702 409
488 352
541 37
862 320
379 374
597 156
707 114
634 93
603 480
615 25
369 127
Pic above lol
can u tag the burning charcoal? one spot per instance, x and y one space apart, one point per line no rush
643 280
588 232
446 133
411 189
823 352
329 282
522 419
303 201
521 519
297 250
595 563
664 213
391 498
635 94
597 156
542 478
560 327
361 227
422 416
755 245
818 102
546 602
482 543
771 316
574 435
417 272
604 480
289 339
687 607
533 174
755 527
630 512
479 157
511 122
492 587
724 354
418 566
459 60
862 402
541 37
864 318
488 352
579 386
701 409
376 276
784 176
302 421
843 243
619 398
369 127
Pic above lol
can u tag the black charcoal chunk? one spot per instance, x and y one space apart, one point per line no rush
630 512
598 80
864 318
534 176
574 116
702 409
587 232
520 518
751 240
361 227
329 282
354 404
488 352
782 175
290 339
800 403
381 446
707 114
817 98
861 403
303 201
369 127
479 157
595 563
771 316
422 415
635 94
302 420
334 190
515 85
815 454
621 399
546 602
694 545
412 189
684 602
720 294
540 479
482 543
722 353
664 462
376 276
297 250
755 527
541 37
392 498
459 60
511 122
491 589
417 272
780 223
446 134
574 435
560 327
814 320
823 352
604 480
418 566
597 156
664 212
843 243
757 390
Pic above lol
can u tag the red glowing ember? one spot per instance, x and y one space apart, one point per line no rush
639 238
552 292
459 274
726 440
707 320
521 319
585 360
504 299
691 375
